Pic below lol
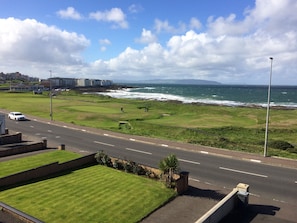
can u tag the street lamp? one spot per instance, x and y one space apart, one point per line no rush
267 114
51 96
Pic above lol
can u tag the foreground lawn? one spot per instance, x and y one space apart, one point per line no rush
234 128
29 162
93 194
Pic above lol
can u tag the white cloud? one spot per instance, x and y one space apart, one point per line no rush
69 13
195 23
228 49
135 8
104 42
164 26
146 37
28 43
115 16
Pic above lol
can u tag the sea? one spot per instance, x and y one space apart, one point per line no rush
227 95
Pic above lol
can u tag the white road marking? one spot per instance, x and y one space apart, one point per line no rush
83 130
296 182
31 126
139 151
164 145
106 134
204 152
256 195
256 161
193 179
132 139
49 130
244 172
281 201
102 143
188 161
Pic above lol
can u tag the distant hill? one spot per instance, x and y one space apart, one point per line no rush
173 81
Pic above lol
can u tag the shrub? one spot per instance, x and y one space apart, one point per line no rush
103 159
292 150
128 167
283 145
169 165
133 167
117 164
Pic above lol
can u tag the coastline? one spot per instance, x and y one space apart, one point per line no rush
124 92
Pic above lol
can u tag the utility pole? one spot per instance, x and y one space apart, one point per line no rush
51 96
267 114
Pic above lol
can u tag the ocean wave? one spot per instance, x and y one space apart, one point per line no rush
128 94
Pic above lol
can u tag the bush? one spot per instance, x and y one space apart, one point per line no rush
127 166
292 150
103 159
117 164
279 144
169 165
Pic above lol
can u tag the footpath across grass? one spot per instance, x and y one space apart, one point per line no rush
93 194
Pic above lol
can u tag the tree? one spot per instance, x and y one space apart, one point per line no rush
169 165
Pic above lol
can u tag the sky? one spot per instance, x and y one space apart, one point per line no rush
228 41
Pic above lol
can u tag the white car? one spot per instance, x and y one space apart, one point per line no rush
18 116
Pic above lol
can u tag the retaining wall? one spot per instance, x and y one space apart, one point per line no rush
43 171
8 139
24 148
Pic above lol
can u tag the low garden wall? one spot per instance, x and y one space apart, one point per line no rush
8 139
237 197
46 170
24 148
9 214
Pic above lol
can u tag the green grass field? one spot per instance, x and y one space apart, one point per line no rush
234 128
26 163
93 194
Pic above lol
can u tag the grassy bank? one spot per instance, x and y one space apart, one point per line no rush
235 128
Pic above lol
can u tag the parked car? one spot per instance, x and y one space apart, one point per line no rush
18 116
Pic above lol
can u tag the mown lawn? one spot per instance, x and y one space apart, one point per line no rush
29 162
93 194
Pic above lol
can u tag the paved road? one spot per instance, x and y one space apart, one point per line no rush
275 183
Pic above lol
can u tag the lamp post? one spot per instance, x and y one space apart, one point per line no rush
51 96
267 114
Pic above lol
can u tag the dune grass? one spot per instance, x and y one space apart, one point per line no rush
29 162
93 194
236 128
